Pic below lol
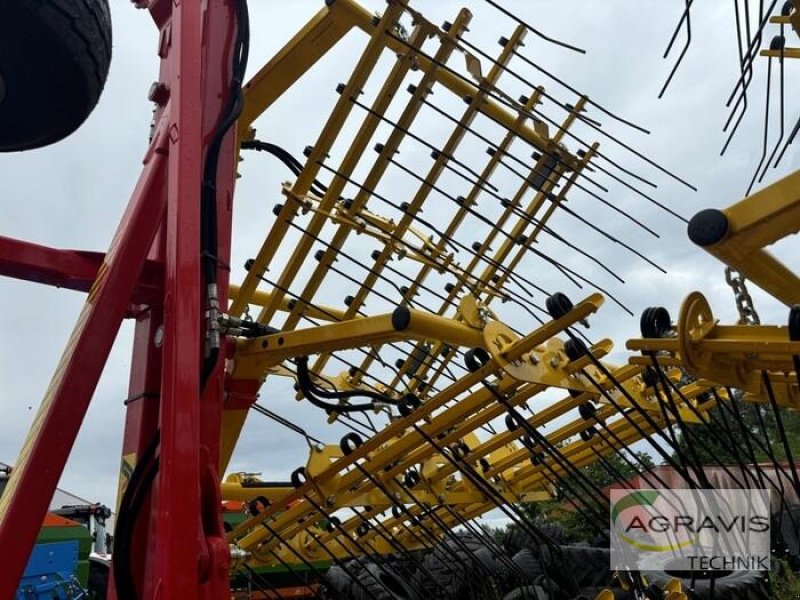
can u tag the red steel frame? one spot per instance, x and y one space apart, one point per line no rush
151 272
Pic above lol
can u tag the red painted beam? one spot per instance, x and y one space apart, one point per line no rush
52 435
70 269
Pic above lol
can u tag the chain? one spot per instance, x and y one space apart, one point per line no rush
744 303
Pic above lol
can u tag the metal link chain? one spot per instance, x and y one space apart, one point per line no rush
744 303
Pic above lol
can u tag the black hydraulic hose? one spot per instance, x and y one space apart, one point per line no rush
315 393
132 500
208 195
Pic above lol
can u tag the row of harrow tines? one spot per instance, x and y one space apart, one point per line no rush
375 290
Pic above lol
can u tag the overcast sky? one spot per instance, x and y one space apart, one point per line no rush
71 195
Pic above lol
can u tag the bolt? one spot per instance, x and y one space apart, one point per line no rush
554 362
158 337
330 500
158 93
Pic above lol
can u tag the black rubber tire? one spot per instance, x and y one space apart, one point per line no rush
528 592
451 571
516 539
531 564
377 582
97 585
589 566
54 60
342 580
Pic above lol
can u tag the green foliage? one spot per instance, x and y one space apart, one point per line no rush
784 583
724 440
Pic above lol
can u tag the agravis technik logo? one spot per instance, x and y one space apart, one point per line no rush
689 530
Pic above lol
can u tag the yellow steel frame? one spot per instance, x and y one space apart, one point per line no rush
727 355
522 368
754 223
333 482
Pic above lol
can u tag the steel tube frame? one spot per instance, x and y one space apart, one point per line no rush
151 272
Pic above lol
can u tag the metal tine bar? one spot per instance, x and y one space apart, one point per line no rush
333 318
684 17
760 475
749 439
505 100
403 443
363 69
493 266
578 454
452 242
752 48
519 397
374 194
695 462
469 472
337 526
563 459
647 469
453 516
382 487
592 194
386 535
789 141
322 576
563 83
502 98
642 411
341 564
782 110
540 225
446 153
743 97
509 509
522 282
564 432
494 546
409 114
455 242
639 192
446 531
612 238
687 432
491 150
519 279
746 75
533 30
766 128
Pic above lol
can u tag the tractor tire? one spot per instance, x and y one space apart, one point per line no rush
450 571
376 582
54 60
528 592
516 539
590 566
98 580
339 581
531 564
